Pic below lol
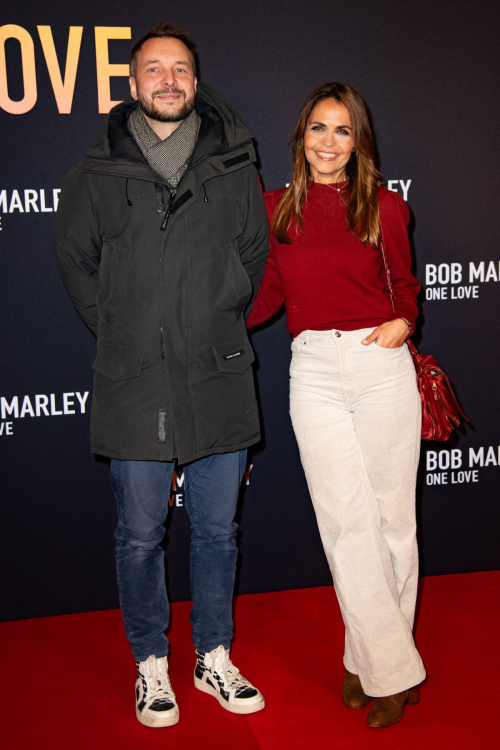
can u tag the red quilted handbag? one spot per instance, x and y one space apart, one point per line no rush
441 411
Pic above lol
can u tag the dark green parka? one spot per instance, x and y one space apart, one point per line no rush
164 280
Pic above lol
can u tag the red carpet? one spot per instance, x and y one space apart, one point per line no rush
69 681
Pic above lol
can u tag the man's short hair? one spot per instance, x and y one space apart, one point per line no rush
166 31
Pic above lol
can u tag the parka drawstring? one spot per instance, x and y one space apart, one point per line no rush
129 202
205 192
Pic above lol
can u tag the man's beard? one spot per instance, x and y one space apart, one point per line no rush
150 110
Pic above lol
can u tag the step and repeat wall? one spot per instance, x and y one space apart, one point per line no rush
429 72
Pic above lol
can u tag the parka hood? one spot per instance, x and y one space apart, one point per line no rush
235 132
221 130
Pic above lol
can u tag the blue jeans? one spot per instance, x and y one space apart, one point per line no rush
142 490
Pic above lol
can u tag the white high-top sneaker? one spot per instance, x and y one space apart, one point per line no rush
155 704
216 675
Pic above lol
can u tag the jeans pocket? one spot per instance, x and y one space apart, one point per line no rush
298 343
389 348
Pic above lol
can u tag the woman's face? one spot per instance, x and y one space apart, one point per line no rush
328 141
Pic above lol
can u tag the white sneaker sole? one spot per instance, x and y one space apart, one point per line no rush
234 709
151 721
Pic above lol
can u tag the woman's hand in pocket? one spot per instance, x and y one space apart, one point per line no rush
389 335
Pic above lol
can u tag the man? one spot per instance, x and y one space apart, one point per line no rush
161 242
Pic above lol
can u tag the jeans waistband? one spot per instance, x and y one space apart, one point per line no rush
335 335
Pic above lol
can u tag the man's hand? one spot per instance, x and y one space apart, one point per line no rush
389 335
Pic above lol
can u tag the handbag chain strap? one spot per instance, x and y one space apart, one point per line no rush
387 270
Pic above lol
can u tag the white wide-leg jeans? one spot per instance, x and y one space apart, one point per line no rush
356 414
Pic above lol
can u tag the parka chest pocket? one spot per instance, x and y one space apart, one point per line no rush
234 357
118 362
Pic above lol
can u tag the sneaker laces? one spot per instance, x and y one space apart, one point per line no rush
158 681
232 675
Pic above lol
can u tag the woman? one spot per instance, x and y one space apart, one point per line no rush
354 402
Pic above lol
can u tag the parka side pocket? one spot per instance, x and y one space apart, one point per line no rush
234 357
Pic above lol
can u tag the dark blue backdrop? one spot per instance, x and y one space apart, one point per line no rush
429 72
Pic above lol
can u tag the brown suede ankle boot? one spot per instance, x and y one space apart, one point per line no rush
353 694
387 710
413 696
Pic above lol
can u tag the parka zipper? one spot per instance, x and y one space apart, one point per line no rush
169 210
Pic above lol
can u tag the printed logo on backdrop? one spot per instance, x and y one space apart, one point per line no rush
456 466
28 201
16 408
176 498
395 186
458 281
62 73
399 186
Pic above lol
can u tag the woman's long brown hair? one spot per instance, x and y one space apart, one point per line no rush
362 210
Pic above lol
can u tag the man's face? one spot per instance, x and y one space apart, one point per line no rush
165 83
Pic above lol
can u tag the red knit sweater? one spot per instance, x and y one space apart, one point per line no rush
327 278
